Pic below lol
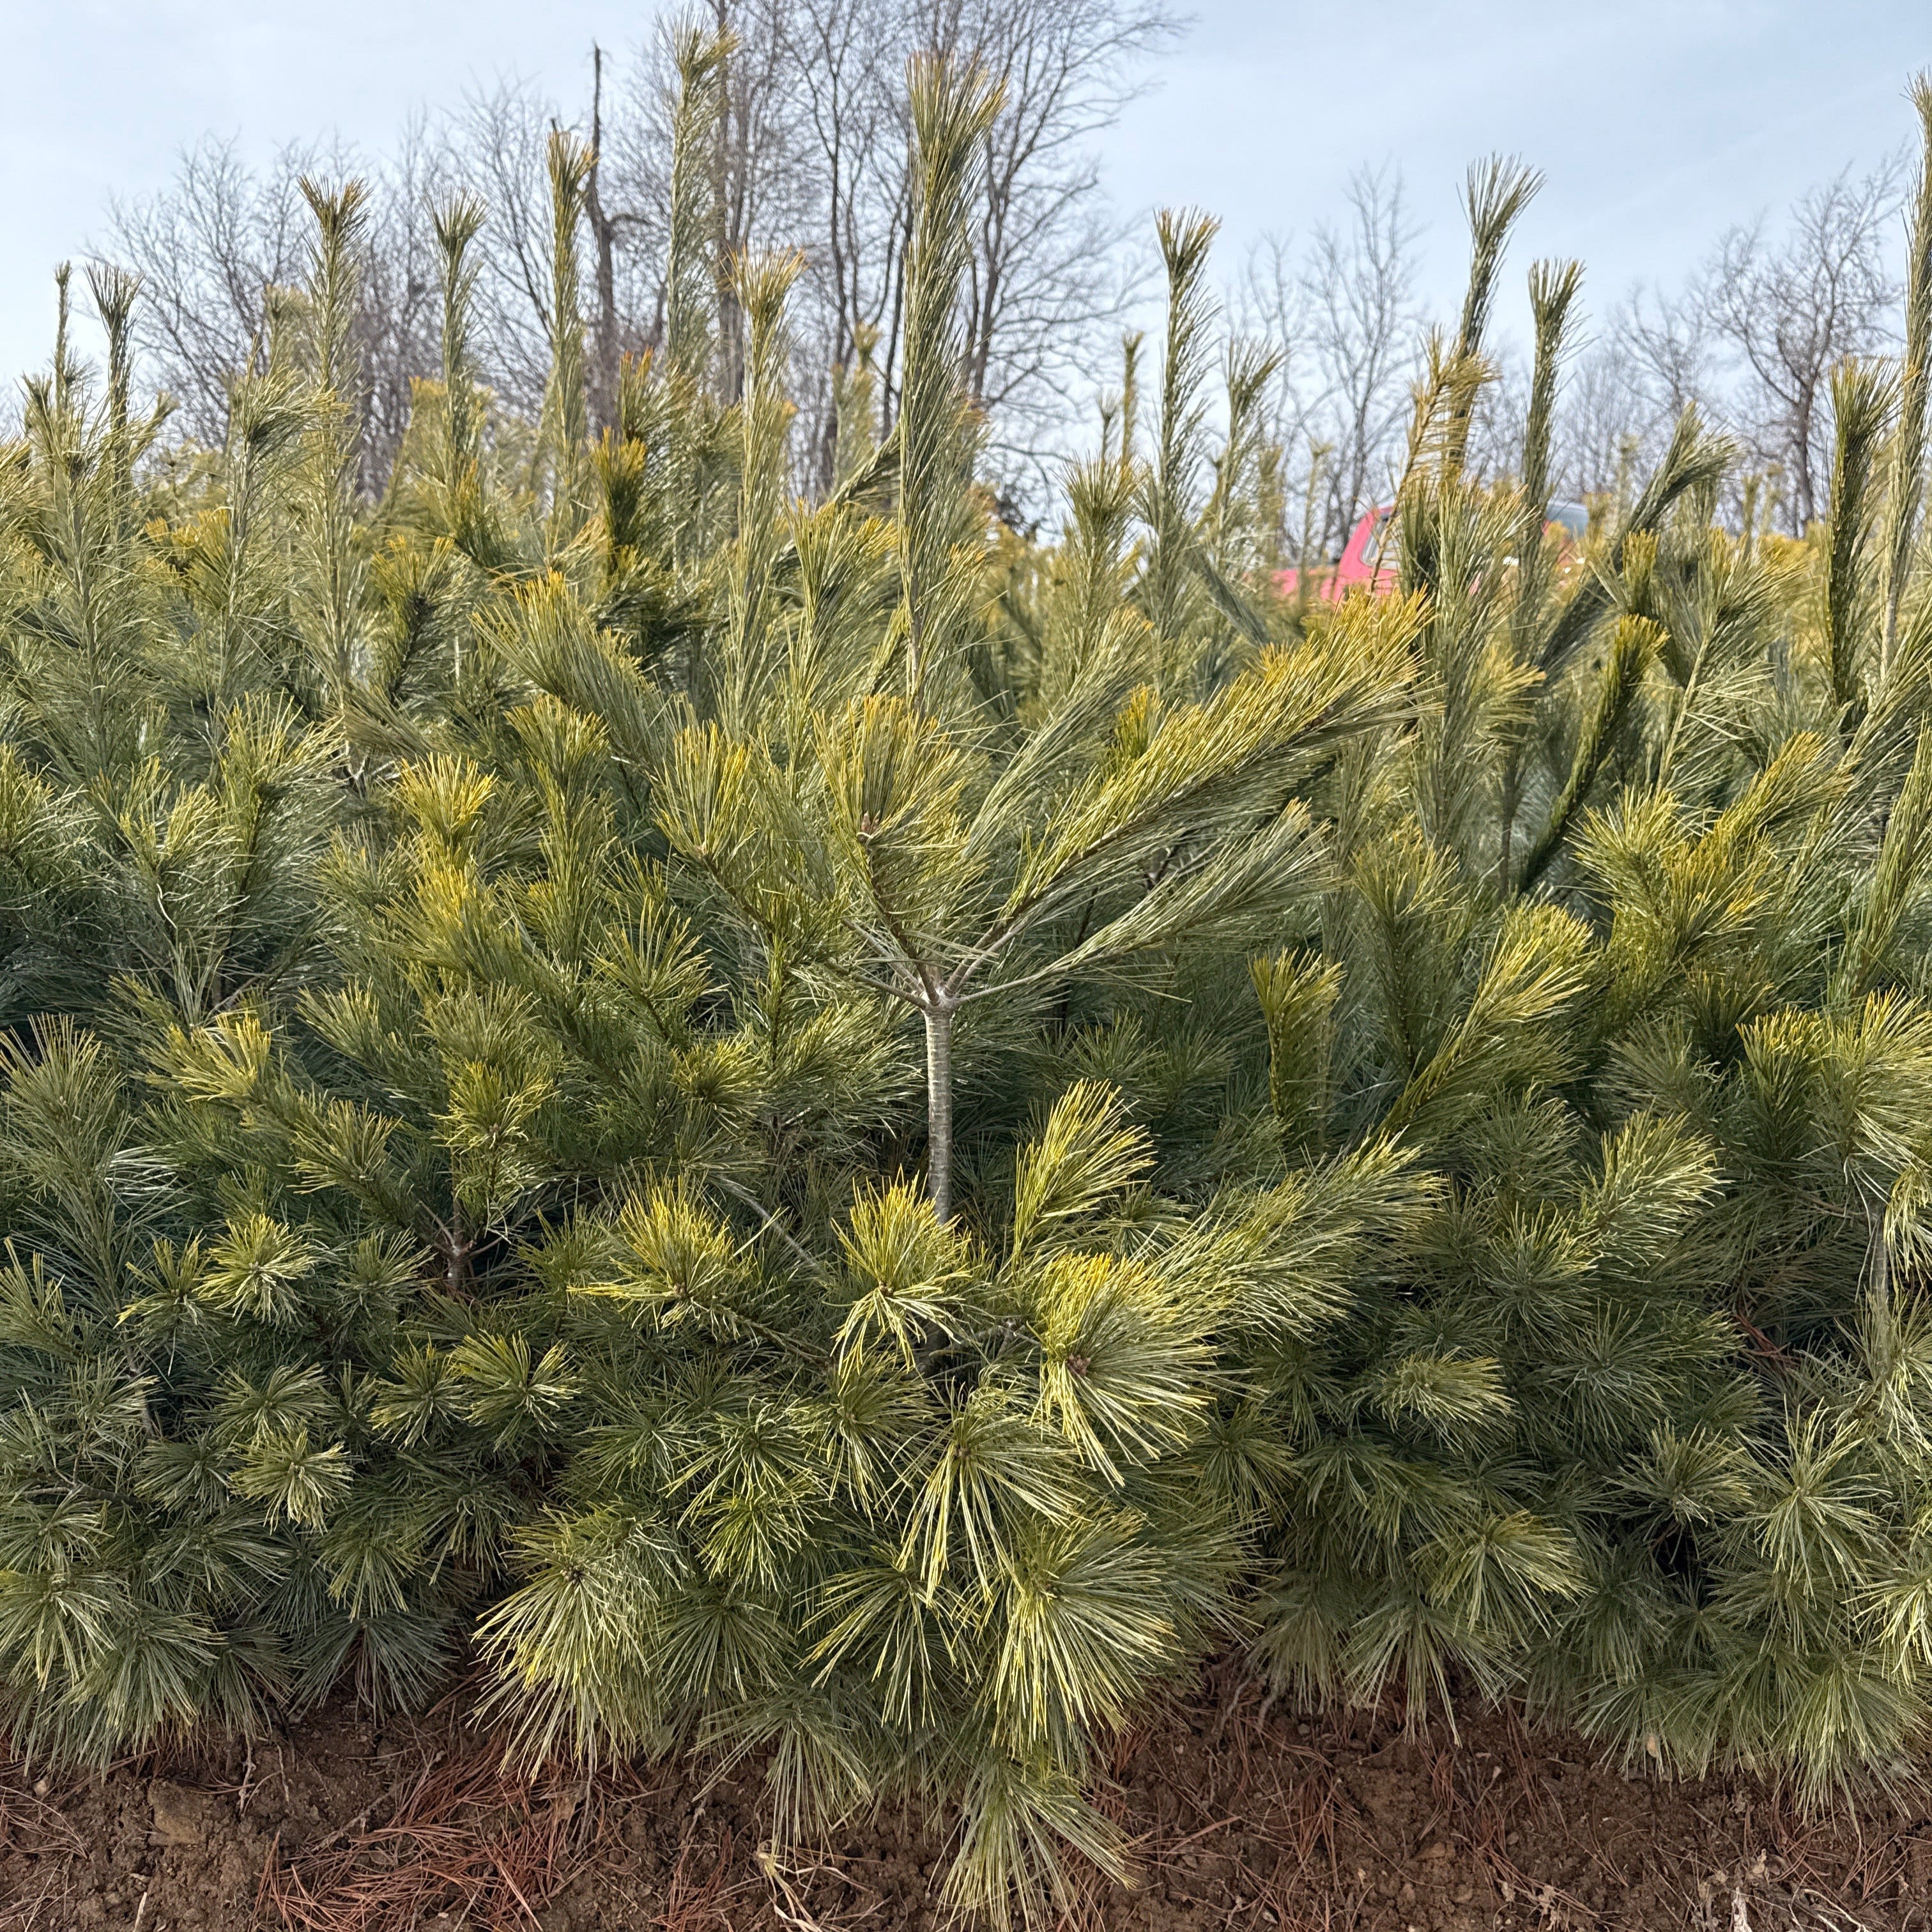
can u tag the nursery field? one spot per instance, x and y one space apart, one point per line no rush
704 1180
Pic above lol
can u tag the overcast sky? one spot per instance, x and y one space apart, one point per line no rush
1658 122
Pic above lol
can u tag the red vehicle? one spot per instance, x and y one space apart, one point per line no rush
1370 560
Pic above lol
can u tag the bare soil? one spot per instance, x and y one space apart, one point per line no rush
1245 1818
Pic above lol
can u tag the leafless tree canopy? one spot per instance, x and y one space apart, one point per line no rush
812 155
1751 339
211 248
1789 309
1343 317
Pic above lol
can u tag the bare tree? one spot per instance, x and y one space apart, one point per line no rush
1654 357
1665 344
400 307
1345 322
1501 414
495 141
1047 272
604 226
209 250
1602 422
1045 275
766 198
812 153
846 57
1790 310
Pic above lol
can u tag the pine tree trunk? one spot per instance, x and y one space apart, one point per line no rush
939 1107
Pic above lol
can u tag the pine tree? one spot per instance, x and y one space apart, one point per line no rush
1626 1426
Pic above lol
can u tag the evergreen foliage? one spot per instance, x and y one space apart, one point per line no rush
806 1130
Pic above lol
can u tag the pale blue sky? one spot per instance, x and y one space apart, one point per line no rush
1659 122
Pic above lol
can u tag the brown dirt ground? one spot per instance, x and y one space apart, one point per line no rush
1245 1818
